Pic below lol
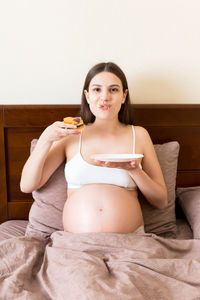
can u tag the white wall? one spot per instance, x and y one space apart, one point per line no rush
47 47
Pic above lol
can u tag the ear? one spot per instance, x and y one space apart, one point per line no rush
124 96
86 95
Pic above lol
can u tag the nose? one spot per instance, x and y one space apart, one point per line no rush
105 95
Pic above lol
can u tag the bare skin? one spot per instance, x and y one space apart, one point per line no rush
117 209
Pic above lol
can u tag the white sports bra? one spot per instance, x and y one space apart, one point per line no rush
79 172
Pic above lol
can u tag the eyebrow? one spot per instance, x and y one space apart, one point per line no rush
109 85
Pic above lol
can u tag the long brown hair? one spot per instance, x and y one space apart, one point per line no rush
124 113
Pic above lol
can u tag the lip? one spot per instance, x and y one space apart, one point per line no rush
103 106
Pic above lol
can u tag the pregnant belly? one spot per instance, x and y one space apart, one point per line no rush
102 208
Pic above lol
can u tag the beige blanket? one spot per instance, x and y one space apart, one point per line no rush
99 266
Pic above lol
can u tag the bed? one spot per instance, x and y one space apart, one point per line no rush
36 254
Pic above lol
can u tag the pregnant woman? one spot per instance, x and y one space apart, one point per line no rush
102 195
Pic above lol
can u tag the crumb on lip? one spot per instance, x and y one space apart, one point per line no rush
103 106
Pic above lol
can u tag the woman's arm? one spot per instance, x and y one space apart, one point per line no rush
149 179
47 156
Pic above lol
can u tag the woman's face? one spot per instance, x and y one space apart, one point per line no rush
105 95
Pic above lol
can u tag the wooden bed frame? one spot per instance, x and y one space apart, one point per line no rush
19 124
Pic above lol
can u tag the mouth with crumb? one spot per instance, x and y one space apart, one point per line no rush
103 106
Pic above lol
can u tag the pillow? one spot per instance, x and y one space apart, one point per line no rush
45 215
189 200
163 222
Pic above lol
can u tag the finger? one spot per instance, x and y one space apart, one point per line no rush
110 164
133 163
62 131
66 131
99 162
62 124
73 131
119 165
70 126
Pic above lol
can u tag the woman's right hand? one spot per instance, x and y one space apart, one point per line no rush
45 158
59 130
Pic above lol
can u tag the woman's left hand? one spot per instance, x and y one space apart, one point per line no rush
128 165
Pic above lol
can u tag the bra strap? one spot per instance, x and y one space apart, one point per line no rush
79 144
133 128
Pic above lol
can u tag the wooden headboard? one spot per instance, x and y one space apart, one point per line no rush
19 124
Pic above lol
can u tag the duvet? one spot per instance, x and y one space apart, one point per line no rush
99 266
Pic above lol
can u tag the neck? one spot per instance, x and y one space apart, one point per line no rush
108 126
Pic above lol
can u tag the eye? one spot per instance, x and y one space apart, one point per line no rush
96 89
114 90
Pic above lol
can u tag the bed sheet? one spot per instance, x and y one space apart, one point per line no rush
14 228
99 266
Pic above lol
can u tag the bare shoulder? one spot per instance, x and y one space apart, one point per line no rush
141 133
143 140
